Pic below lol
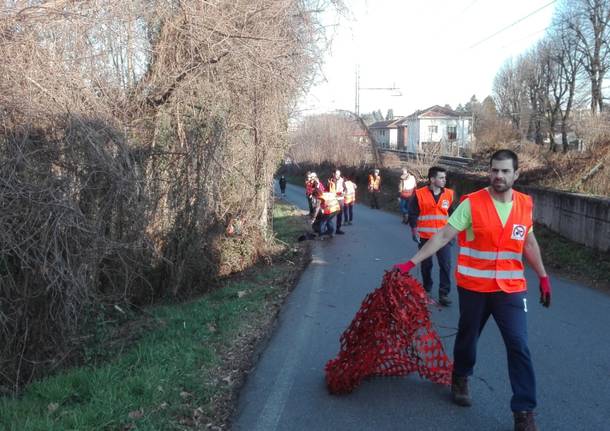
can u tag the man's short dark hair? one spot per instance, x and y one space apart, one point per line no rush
505 155
434 170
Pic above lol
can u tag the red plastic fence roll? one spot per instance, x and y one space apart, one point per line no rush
391 335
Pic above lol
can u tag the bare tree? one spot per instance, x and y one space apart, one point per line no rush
589 21
133 133
339 139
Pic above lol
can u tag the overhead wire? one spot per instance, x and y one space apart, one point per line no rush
513 24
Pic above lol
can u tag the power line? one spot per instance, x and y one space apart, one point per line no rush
514 23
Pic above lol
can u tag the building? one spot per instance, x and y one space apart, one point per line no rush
448 131
385 133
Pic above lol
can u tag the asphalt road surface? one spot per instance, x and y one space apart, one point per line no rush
570 346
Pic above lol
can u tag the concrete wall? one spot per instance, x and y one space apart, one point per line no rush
580 218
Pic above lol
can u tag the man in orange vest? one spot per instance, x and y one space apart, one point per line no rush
498 224
336 184
326 208
429 211
374 188
350 200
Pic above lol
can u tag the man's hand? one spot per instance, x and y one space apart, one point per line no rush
415 235
404 268
545 291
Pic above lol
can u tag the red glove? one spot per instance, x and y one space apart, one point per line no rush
545 291
404 268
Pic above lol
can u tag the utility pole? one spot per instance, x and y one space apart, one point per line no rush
359 88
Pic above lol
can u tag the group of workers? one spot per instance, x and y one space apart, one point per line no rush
333 202
494 230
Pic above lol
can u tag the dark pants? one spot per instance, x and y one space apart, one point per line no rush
374 200
510 313
348 212
340 214
310 203
443 256
326 224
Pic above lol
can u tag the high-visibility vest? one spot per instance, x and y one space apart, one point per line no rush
492 261
336 186
406 193
350 192
432 215
329 203
374 183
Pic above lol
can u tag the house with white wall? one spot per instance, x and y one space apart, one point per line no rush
385 133
434 125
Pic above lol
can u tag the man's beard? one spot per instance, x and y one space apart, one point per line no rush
500 186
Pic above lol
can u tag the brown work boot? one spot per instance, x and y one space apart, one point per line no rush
459 391
524 421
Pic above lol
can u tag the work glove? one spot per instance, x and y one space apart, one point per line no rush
404 268
415 236
545 291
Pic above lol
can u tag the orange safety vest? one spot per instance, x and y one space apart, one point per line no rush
350 193
329 203
492 261
374 183
406 193
432 215
332 187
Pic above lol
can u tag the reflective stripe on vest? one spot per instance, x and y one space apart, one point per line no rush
433 215
486 273
492 260
428 229
489 255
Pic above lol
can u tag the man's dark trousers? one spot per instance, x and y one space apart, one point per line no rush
374 200
340 213
443 256
348 212
510 313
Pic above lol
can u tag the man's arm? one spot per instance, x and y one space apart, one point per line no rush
533 256
435 243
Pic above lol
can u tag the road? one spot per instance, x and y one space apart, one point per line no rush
569 343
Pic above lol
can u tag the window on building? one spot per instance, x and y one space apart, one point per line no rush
432 129
452 133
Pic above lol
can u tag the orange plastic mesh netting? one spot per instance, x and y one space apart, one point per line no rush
391 335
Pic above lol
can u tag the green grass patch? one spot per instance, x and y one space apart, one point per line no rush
573 260
172 377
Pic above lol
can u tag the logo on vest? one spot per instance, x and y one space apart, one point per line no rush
519 231
445 204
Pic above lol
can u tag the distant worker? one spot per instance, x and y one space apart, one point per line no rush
374 188
406 187
336 184
326 208
429 210
498 222
350 200
283 185
309 189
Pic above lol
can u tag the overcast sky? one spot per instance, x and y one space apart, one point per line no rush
427 48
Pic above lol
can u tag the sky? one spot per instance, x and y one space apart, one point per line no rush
433 50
